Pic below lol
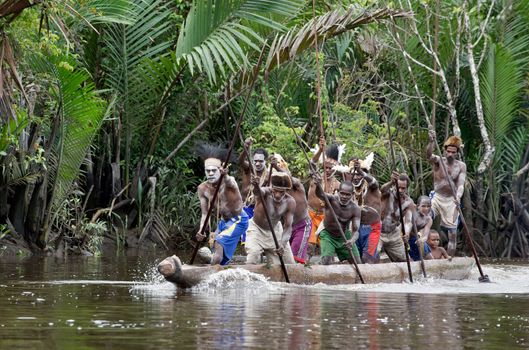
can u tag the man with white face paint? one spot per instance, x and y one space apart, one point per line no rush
348 214
234 221
443 201
259 158
280 206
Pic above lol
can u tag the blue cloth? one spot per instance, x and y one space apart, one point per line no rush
414 249
228 235
249 211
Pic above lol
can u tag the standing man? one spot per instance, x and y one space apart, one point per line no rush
348 214
316 205
259 158
391 239
234 221
367 195
443 201
280 206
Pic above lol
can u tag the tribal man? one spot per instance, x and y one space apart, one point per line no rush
259 158
443 202
301 222
348 215
368 197
331 185
280 206
234 221
391 239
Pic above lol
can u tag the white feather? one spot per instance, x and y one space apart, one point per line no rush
341 151
368 161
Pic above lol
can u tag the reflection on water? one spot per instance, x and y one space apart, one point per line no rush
91 303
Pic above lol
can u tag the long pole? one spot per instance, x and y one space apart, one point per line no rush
230 149
483 277
328 204
267 214
402 229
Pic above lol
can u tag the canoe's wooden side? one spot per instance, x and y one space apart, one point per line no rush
186 276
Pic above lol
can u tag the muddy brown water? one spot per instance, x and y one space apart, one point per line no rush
122 303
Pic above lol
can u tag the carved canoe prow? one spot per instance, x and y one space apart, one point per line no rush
186 276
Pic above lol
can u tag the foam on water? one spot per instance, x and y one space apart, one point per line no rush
505 279
151 284
232 278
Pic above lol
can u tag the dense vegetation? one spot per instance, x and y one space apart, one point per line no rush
101 100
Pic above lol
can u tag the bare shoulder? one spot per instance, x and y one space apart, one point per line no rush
202 188
290 200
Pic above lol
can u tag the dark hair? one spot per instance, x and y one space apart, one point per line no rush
346 183
207 150
404 177
261 151
423 198
333 152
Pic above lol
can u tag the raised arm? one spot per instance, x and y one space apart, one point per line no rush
316 156
429 149
243 157
319 188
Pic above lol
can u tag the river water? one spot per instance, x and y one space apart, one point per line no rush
122 303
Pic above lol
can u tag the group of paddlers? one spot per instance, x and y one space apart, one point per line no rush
345 213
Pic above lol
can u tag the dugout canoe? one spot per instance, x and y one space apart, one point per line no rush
187 276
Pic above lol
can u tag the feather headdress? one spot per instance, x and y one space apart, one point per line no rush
365 164
454 141
333 153
212 154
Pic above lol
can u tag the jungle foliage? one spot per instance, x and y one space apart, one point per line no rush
101 100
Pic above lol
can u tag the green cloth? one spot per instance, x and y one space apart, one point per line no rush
331 245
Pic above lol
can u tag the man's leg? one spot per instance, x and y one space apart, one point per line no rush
452 241
218 255
395 248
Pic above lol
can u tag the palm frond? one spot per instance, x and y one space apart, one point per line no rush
81 113
501 88
128 45
213 35
331 24
105 11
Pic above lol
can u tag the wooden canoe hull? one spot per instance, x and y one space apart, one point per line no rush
186 276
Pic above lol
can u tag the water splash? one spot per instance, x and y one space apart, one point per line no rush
152 285
229 279
505 279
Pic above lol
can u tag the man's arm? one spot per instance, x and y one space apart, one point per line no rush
257 189
384 189
229 182
288 217
243 157
460 184
204 207
429 149
425 230
408 222
355 225
316 156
